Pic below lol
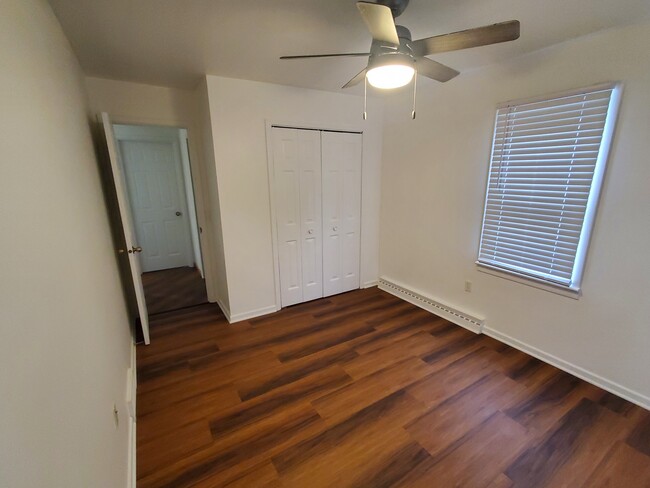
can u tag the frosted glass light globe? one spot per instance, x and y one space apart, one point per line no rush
390 76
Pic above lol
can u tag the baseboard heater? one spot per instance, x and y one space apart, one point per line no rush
453 315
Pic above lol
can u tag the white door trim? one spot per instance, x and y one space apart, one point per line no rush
269 124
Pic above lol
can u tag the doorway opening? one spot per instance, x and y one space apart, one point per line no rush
156 167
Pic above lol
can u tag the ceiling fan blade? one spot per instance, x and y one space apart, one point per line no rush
434 70
379 20
306 56
480 36
357 79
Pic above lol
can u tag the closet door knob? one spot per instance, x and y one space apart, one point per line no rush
335 228
310 231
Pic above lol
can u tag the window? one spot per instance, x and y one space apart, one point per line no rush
546 169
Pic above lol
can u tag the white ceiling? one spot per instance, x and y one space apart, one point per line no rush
175 42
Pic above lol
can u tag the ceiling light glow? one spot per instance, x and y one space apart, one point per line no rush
390 76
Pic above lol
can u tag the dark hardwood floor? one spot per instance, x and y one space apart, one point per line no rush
363 389
172 289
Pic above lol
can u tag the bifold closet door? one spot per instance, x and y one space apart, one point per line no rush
341 153
297 188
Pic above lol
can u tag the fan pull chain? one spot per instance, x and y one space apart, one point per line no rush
415 91
365 97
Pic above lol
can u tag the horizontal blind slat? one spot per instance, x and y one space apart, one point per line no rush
554 252
515 134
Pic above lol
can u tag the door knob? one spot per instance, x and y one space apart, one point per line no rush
135 249
310 231
178 214
335 228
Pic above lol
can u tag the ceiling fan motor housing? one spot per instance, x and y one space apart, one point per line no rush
382 53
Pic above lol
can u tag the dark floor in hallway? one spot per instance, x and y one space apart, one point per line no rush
364 389
172 289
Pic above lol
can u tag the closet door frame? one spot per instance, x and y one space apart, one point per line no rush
358 129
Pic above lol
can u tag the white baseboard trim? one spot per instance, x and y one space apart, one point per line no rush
369 284
131 388
588 376
466 320
238 317
132 450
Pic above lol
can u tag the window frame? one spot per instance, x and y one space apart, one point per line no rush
574 289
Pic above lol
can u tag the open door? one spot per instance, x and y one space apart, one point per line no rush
132 249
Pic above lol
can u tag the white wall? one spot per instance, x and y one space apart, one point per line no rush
239 111
217 266
65 343
135 103
434 176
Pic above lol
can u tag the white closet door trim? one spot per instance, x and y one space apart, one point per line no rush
292 124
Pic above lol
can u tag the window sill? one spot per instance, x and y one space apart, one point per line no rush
529 281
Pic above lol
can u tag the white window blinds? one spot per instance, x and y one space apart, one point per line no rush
548 157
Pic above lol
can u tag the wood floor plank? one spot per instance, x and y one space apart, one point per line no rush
320 342
593 445
348 463
171 445
583 435
246 413
476 449
551 401
286 373
501 481
264 475
392 411
228 457
409 347
640 436
624 466
400 329
451 379
452 419
173 417
364 389
361 393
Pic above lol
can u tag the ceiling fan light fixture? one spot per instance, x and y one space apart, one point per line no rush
390 76
387 71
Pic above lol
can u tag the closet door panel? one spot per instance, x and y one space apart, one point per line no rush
331 219
341 154
311 214
297 196
286 166
351 211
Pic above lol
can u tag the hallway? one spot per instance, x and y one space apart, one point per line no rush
172 289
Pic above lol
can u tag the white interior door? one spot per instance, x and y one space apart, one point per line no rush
127 224
154 180
341 159
297 196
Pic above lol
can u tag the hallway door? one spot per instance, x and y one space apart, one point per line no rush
132 249
154 176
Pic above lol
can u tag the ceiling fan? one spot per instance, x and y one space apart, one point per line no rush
394 59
